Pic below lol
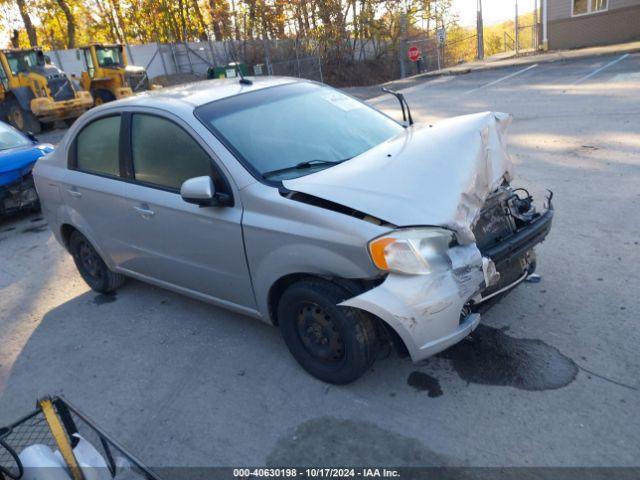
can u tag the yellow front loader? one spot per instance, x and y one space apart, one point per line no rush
106 73
34 92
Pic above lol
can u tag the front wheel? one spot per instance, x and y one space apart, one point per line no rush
23 120
92 268
334 344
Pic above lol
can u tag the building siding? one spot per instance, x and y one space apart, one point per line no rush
562 9
615 25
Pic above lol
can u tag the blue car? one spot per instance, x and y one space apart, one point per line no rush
18 155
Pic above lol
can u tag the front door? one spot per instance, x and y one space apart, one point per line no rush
196 248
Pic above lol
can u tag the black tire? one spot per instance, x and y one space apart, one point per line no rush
23 120
47 126
92 268
334 344
101 96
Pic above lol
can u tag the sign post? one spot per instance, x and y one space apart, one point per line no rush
442 37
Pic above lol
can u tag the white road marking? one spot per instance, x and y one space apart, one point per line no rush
598 70
627 77
501 79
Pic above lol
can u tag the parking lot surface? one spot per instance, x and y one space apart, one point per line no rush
550 378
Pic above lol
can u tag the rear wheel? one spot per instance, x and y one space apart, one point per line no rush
335 344
92 268
101 96
23 120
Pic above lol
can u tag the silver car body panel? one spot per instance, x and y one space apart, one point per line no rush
232 256
425 310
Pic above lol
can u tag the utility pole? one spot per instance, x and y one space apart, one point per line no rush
403 45
517 31
535 25
545 38
480 31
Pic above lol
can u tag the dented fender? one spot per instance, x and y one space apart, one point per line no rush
425 310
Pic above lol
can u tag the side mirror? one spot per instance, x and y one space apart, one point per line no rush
201 191
32 137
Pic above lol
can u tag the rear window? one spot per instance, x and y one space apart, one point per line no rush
97 147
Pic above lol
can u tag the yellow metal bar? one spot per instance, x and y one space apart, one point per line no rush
61 438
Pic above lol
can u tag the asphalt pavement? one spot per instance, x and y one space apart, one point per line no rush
549 379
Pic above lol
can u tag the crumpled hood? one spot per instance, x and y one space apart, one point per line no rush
17 162
436 175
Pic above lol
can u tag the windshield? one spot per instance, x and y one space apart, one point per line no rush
11 138
293 130
21 62
109 56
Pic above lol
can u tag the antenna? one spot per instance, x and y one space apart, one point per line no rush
243 81
406 115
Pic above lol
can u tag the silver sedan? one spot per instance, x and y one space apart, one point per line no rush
296 204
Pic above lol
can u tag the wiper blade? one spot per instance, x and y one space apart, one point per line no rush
302 166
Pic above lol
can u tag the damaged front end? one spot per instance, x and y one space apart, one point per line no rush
18 196
507 230
453 177
433 311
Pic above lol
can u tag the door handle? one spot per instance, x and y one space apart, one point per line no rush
73 191
144 211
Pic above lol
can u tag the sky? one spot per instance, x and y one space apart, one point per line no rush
493 11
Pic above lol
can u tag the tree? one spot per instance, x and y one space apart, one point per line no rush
28 25
71 24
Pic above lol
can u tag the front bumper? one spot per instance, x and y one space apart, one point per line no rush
427 310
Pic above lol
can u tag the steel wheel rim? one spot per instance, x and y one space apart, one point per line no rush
90 261
319 333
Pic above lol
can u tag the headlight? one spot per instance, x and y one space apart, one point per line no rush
415 251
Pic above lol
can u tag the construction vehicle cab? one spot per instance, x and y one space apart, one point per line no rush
33 91
106 73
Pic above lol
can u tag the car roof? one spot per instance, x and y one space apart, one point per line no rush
199 93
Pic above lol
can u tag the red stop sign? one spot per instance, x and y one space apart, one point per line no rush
414 53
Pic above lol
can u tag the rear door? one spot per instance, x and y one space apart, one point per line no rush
93 187
171 241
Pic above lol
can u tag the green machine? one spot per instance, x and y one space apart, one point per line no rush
230 70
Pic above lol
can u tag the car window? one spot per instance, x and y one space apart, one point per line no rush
97 147
164 154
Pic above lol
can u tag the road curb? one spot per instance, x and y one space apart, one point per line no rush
549 57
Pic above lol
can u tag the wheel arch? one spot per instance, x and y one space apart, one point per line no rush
386 332
66 229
